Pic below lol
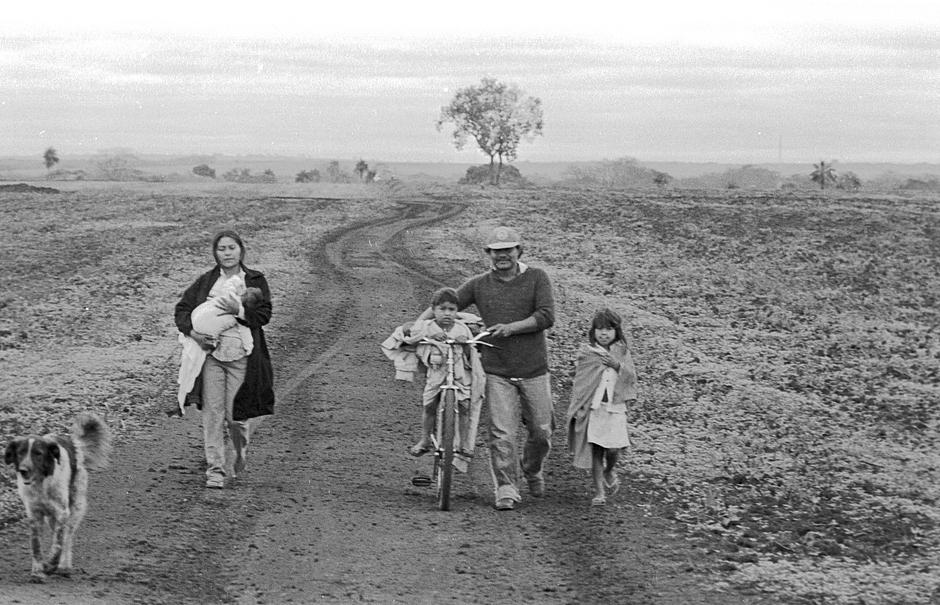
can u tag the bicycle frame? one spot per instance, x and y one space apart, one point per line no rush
447 428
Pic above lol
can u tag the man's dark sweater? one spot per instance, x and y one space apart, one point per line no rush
497 301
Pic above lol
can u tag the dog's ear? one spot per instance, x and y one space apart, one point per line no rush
51 458
9 454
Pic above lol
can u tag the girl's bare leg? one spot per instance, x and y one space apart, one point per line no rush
597 470
610 469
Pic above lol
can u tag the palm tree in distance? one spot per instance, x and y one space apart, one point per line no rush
823 173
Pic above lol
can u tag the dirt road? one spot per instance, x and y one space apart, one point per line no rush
326 511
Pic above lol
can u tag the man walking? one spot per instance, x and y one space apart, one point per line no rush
517 306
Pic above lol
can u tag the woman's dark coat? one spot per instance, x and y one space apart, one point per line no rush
256 395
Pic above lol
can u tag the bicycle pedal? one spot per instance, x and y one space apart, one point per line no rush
421 481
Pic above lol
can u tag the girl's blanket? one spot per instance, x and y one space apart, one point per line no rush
589 375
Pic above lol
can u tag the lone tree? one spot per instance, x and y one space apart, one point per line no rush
51 158
495 115
335 174
362 169
823 173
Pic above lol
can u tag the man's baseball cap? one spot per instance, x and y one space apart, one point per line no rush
502 237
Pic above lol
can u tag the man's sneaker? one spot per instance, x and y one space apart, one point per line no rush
505 504
215 482
536 487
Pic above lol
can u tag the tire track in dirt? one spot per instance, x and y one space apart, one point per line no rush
335 260
347 525
341 521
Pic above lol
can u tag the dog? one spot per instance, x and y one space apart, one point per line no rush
52 481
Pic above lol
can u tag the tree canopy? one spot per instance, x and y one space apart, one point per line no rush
50 157
497 116
823 173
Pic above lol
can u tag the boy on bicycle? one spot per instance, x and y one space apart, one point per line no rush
444 325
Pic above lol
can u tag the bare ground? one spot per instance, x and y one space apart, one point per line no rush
326 512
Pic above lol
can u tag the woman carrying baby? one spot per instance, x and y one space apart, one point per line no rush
236 381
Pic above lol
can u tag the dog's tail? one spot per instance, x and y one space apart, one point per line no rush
92 435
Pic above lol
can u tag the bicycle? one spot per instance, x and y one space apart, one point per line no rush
447 426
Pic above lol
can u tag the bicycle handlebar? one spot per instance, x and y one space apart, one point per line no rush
476 340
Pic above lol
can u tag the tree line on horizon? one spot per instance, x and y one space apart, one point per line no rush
622 172
497 117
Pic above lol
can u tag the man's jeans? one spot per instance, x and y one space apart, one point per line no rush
508 400
220 381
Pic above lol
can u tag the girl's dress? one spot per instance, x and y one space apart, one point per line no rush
598 410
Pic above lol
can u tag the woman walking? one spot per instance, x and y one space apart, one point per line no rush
236 383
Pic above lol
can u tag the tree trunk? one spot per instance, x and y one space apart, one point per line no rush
494 178
499 169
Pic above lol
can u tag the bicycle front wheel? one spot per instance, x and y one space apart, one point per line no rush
445 468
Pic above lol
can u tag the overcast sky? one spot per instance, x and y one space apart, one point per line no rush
707 81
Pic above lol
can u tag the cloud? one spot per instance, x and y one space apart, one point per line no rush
604 95
724 22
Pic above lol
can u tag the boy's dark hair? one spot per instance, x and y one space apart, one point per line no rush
443 295
606 318
252 297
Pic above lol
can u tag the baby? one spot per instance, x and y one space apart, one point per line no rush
208 318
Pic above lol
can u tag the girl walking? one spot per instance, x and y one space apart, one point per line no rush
604 381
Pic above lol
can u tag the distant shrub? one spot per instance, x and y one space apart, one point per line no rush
480 175
119 167
243 175
238 175
308 176
745 177
661 179
204 170
622 172
848 181
67 175
921 184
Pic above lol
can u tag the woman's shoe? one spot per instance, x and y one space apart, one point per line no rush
598 501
